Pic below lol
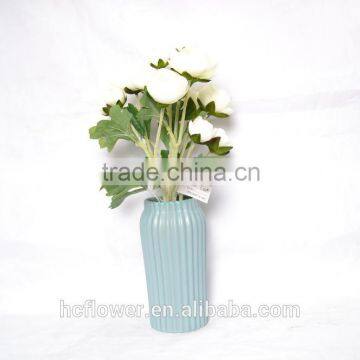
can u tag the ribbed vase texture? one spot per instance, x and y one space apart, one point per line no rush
174 248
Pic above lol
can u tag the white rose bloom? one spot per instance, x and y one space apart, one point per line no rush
202 127
224 139
194 62
209 93
166 86
113 94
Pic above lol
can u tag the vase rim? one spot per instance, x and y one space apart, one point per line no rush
154 201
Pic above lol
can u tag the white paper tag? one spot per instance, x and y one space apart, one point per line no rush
200 191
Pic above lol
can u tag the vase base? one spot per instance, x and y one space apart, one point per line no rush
168 327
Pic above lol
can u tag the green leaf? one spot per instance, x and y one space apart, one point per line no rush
135 121
150 109
108 132
191 78
119 193
214 147
212 144
220 115
160 64
139 126
106 110
132 109
191 110
210 107
131 92
96 131
196 138
120 117
144 116
118 199
141 119
120 103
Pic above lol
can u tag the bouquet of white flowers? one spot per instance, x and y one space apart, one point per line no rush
166 110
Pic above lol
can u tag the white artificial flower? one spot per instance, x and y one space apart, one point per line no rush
166 86
202 127
194 62
113 94
224 139
138 78
209 93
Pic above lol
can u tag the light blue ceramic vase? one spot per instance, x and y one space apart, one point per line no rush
173 243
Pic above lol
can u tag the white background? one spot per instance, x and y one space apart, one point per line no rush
293 70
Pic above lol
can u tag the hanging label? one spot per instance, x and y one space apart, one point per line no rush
197 190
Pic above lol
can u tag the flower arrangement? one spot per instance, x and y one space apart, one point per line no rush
166 111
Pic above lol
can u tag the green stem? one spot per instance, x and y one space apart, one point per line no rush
176 125
135 132
149 146
182 123
157 140
140 143
171 134
183 145
169 111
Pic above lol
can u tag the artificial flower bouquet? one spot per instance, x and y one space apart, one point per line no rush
166 110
